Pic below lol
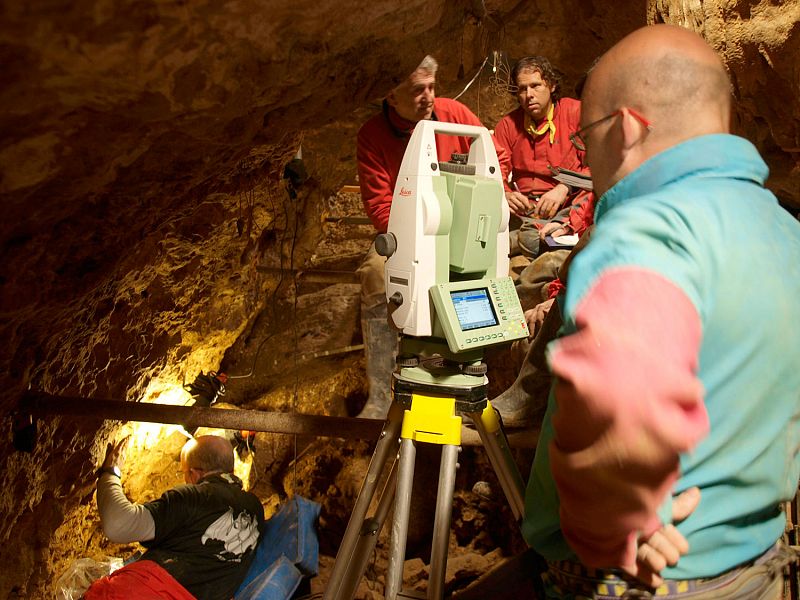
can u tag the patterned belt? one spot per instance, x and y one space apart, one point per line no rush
570 579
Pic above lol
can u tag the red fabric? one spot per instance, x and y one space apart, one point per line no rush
530 157
380 153
581 214
554 288
143 580
628 403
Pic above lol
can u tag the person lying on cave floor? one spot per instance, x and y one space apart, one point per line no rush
200 537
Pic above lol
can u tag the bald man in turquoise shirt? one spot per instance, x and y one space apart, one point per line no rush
678 364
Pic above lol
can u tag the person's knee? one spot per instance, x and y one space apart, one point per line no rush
371 276
545 267
528 242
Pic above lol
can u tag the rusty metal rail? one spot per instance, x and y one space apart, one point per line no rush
41 403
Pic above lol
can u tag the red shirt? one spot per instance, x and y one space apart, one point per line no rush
382 142
581 213
531 156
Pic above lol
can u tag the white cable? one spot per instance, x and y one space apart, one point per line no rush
471 81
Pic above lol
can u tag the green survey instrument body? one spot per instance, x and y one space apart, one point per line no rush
448 273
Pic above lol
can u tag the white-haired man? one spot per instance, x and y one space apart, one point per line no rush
382 142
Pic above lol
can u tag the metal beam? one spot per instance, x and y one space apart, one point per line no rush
38 403
41 403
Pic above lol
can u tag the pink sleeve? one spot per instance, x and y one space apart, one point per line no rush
628 403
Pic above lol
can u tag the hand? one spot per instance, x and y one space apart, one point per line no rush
113 453
535 316
550 202
666 545
552 229
518 203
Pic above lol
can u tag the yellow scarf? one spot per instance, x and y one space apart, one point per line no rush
548 124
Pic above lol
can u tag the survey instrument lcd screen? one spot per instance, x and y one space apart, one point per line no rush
478 313
473 309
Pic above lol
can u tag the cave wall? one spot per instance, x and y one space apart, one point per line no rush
141 171
760 45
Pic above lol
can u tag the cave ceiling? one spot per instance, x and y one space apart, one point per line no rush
143 153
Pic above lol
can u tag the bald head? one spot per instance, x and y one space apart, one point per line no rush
207 454
668 74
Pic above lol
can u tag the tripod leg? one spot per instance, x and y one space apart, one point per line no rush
386 447
441 523
402 507
497 449
369 537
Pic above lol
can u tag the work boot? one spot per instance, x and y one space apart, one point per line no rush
380 349
523 404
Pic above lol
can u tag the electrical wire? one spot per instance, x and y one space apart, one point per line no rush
278 174
295 345
498 81
474 77
272 304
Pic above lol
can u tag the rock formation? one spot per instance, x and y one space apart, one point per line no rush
151 230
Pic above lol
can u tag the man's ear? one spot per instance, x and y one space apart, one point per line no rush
391 99
632 130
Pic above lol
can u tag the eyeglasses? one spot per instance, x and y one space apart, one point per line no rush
579 141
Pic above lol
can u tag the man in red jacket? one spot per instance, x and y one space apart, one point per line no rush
536 135
382 141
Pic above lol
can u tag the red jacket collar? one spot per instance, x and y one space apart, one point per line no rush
400 127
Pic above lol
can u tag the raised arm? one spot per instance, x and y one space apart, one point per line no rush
122 520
